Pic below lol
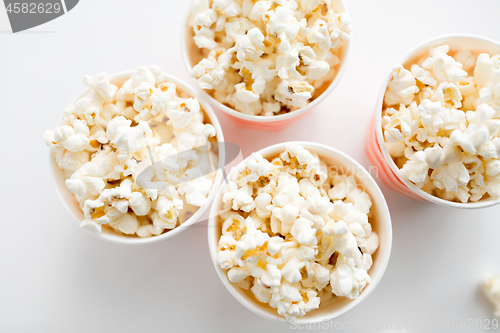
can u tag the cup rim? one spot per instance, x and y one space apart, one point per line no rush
382 260
482 203
263 119
114 237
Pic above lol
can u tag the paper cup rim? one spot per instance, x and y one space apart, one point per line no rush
113 236
263 119
382 260
482 203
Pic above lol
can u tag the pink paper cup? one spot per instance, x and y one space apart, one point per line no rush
380 220
274 123
72 206
375 147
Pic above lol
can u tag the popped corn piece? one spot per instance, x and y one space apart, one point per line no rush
195 187
100 83
294 92
348 279
128 140
442 66
342 240
74 138
91 226
127 224
491 289
92 176
448 94
240 198
422 75
402 88
167 211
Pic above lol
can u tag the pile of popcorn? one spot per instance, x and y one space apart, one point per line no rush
293 234
267 57
491 289
109 136
441 122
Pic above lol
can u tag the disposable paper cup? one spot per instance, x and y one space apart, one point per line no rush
273 123
108 234
375 144
380 221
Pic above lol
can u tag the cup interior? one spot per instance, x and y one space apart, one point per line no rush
380 221
72 206
472 43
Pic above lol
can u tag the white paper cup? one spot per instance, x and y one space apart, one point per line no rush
108 234
375 144
273 123
380 221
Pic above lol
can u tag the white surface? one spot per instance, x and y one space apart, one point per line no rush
56 278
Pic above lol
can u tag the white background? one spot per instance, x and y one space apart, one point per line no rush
56 278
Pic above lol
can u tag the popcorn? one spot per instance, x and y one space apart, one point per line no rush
423 75
491 289
442 66
120 198
347 280
168 207
239 197
303 232
487 69
342 240
449 93
113 135
195 187
67 160
450 176
129 140
289 230
264 58
230 8
100 83
294 93
258 167
127 224
441 123
402 88
91 177
73 138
